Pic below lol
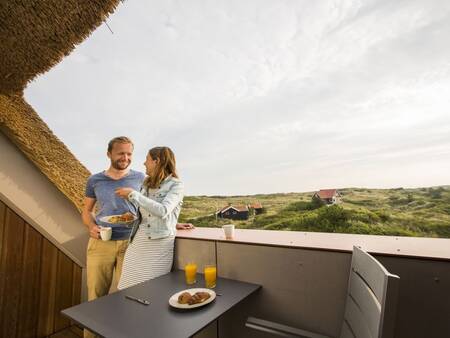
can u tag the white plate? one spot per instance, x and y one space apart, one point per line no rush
105 219
173 300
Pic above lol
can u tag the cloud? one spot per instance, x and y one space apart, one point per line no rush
263 96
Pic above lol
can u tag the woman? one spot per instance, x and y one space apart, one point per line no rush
150 252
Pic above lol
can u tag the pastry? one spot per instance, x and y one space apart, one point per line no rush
184 298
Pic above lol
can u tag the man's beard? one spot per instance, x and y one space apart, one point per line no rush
118 166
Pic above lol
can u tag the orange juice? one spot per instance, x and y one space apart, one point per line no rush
210 276
190 271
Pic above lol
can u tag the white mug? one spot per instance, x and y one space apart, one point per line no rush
105 233
228 229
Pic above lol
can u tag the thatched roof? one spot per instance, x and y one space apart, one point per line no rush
32 136
35 35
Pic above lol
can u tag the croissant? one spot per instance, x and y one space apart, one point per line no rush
184 298
198 297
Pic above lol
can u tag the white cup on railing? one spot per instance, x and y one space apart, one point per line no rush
228 230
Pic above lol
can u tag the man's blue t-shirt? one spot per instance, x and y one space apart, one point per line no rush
102 187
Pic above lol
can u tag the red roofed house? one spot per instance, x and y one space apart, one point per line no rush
328 196
257 206
234 212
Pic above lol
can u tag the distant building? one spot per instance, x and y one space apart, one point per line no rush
257 207
328 196
239 212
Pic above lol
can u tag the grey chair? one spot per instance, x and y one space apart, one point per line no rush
370 308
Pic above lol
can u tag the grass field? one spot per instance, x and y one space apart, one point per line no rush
421 212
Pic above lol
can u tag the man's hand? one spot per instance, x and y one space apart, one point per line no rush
123 192
185 226
94 231
88 218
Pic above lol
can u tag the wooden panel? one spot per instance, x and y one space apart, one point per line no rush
2 229
76 286
11 269
356 321
370 270
29 305
49 265
64 282
2 226
366 301
34 284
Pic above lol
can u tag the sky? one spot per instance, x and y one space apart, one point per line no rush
263 96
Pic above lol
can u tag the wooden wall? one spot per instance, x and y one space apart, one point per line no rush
37 280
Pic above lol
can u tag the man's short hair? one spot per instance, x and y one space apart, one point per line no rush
119 139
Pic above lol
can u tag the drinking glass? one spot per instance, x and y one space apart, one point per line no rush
190 271
210 273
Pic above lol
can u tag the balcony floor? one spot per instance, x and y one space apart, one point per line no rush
71 332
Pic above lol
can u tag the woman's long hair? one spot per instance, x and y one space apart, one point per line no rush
164 167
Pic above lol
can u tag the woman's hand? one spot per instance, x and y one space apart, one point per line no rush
185 226
123 192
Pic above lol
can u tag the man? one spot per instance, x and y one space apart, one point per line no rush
104 258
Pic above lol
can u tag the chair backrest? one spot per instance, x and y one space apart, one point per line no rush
371 304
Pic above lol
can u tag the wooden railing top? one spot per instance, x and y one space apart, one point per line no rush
427 248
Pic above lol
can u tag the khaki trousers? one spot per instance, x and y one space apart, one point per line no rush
104 262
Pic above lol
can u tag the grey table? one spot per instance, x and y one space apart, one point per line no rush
116 316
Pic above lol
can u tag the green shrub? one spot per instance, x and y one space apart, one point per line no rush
316 202
365 216
303 206
435 193
383 215
401 212
331 217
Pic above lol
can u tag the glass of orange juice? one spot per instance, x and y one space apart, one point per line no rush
190 270
210 272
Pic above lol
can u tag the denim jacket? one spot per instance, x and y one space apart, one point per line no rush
159 208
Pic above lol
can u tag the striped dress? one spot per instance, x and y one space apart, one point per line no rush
146 259
150 251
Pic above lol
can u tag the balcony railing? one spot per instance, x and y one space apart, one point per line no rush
304 277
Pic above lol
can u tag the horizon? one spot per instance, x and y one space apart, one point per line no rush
342 188
262 96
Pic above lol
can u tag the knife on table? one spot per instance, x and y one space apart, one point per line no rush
139 300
